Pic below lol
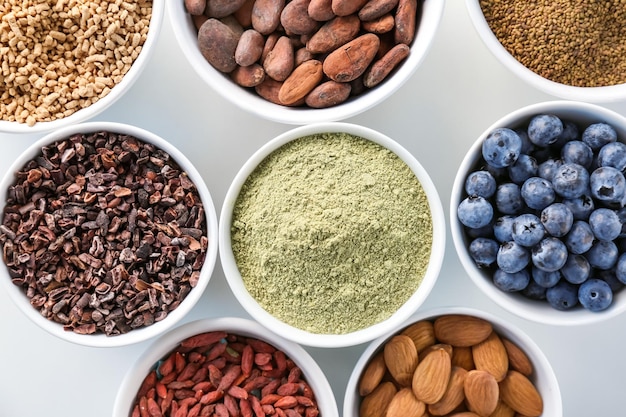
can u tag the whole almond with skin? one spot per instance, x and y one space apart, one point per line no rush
454 395
481 392
517 358
519 393
422 333
431 376
461 330
372 374
401 359
404 404
350 61
464 414
376 403
301 82
490 355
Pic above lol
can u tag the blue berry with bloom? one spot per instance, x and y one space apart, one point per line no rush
509 198
605 224
576 269
543 278
527 230
550 254
475 212
597 135
580 238
571 180
484 251
603 254
503 228
581 207
524 168
557 219
538 193
501 147
480 183
595 294
511 282
577 152
608 185
613 155
544 129
512 257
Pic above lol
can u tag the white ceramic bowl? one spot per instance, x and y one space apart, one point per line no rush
186 34
311 371
142 333
142 60
604 94
359 336
538 311
543 376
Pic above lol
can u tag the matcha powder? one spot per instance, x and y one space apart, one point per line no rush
332 233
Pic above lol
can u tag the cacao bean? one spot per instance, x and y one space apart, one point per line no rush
350 61
217 43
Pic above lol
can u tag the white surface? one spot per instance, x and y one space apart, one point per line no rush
459 91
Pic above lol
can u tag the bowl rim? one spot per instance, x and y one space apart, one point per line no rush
544 376
234 278
248 101
118 90
536 311
141 334
602 94
246 327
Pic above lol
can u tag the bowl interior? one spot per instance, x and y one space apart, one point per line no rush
543 378
244 327
143 333
604 94
186 35
156 21
331 340
582 114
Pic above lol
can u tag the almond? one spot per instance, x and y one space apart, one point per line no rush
372 374
431 376
461 330
519 393
462 356
517 358
490 355
454 395
405 404
375 404
401 359
481 392
464 414
422 333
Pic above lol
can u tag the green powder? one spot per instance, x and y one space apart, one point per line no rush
332 233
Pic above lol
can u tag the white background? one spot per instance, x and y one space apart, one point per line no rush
459 91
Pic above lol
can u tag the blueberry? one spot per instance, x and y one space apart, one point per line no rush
607 185
581 207
537 193
595 295
620 268
580 237
544 278
544 129
605 224
503 228
511 282
484 231
512 257
547 169
613 155
571 180
501 147
483 251
549 255
475 212
599 134
603 254
527 230
621 213
557 219
563 296
577 152
522 169
534 291
576 269
480 183
509 198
